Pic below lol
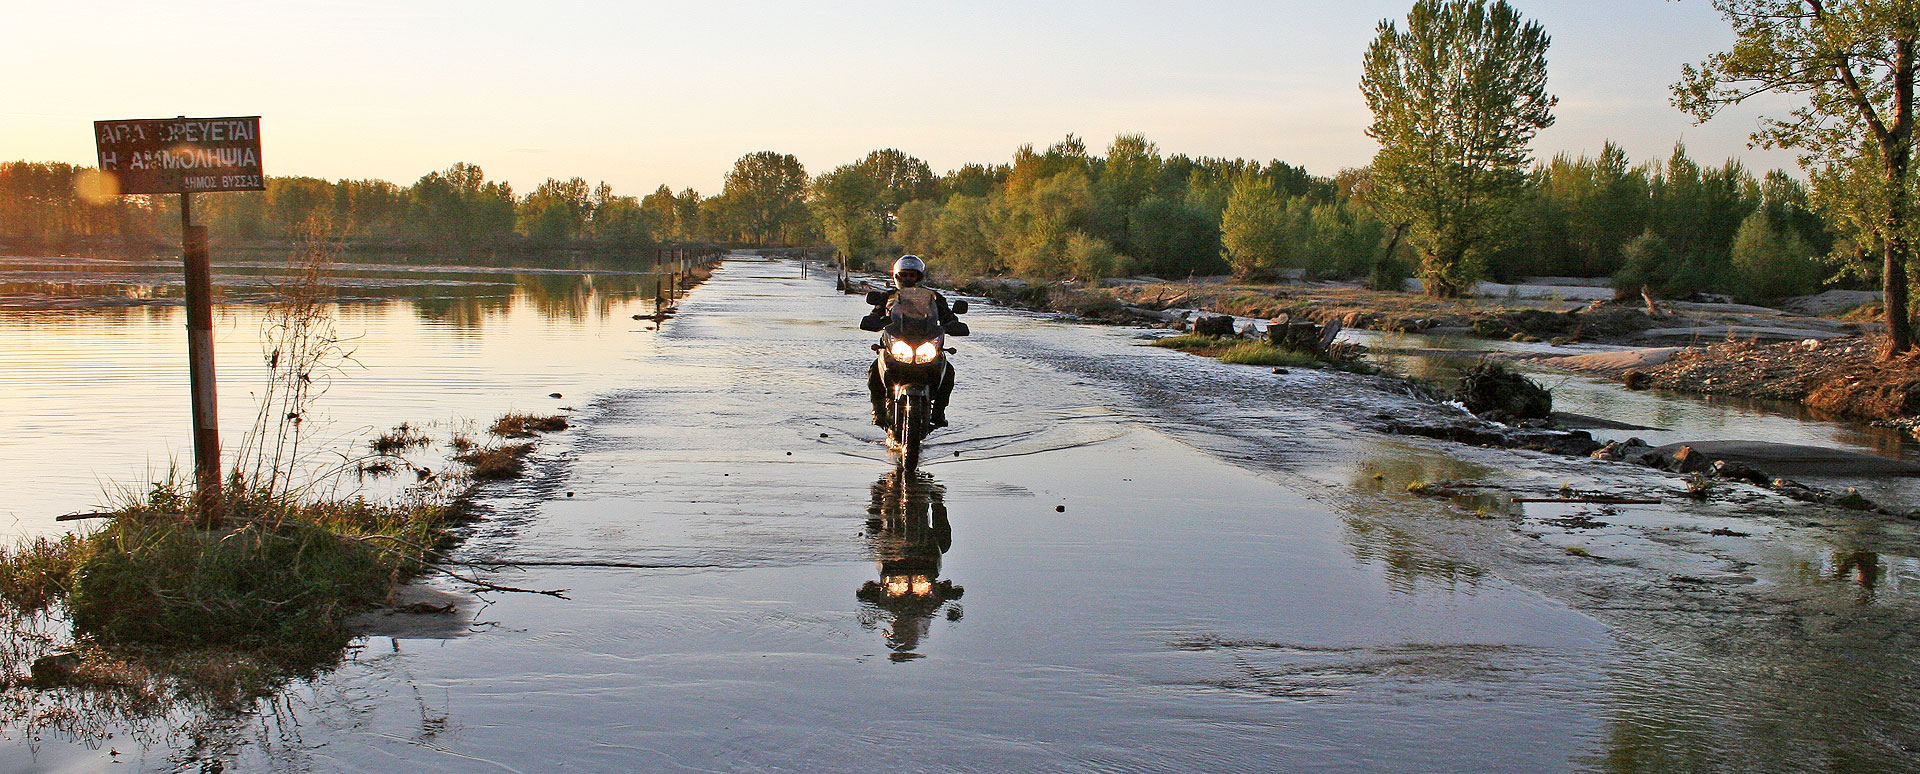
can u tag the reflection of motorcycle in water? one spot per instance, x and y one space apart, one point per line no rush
907 531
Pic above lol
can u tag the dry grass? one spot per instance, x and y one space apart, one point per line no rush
493 463
527 425
399 440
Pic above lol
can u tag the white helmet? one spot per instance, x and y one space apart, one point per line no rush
910 263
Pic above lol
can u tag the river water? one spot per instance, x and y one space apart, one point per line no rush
1119 559
93 367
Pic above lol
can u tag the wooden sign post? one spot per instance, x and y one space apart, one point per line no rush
184 156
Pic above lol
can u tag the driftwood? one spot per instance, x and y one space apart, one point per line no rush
100 515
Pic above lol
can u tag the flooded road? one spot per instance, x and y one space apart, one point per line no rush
1119 559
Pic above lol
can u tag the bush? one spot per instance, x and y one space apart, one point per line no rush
1769 264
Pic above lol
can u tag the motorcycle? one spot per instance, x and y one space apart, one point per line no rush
912 362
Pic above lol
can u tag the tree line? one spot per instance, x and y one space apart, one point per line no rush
1062 212
43 205
1457 90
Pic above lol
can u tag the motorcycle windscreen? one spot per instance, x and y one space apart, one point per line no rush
912 314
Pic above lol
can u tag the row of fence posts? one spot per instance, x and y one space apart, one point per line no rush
671 266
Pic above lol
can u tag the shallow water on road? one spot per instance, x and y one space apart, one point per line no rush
1119 559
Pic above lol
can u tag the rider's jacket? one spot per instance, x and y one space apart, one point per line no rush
911 303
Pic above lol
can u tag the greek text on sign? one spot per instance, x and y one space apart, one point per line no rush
181 155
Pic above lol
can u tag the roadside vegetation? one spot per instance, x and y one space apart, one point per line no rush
225 596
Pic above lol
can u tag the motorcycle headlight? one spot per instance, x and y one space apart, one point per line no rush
926 353
901 351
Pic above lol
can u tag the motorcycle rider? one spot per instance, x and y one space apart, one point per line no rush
917 301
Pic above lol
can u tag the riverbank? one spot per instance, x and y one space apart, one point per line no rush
1562 314
1705 347
1843 378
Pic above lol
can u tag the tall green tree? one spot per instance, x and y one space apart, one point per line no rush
1853 63
897 179
1456 99
766 192
843 203
1254 228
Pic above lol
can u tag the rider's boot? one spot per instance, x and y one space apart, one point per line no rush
879 413
939 418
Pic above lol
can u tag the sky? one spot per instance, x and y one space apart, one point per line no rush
639 94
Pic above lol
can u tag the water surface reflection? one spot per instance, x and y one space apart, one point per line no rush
907 531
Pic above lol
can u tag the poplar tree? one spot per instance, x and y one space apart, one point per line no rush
1853 63
767 194
1456 99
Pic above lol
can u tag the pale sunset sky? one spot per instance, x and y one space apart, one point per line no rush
644 93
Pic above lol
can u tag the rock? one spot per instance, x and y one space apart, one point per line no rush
55 668
1636 379
1299 336
1632 448
1213 325
553 395
1853 500
1738 471
1785 459
1684 460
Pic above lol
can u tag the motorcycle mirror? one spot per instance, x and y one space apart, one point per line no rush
960 306
876 297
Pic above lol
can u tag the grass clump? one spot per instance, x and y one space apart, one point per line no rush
516 425
497 462
1196 344
1257 353
1241 351
399 440
35 573
274 576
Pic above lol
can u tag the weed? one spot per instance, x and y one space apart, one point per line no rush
1699 486
1260 354
1578 551
399 440
33 574
1195 343
526 425
497 462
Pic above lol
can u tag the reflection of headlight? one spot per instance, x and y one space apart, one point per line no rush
901 351
926 353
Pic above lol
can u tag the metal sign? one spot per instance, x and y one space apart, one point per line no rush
181 155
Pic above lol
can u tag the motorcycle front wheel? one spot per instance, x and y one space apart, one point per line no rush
913 419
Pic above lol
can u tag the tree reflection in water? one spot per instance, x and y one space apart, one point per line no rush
907 531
